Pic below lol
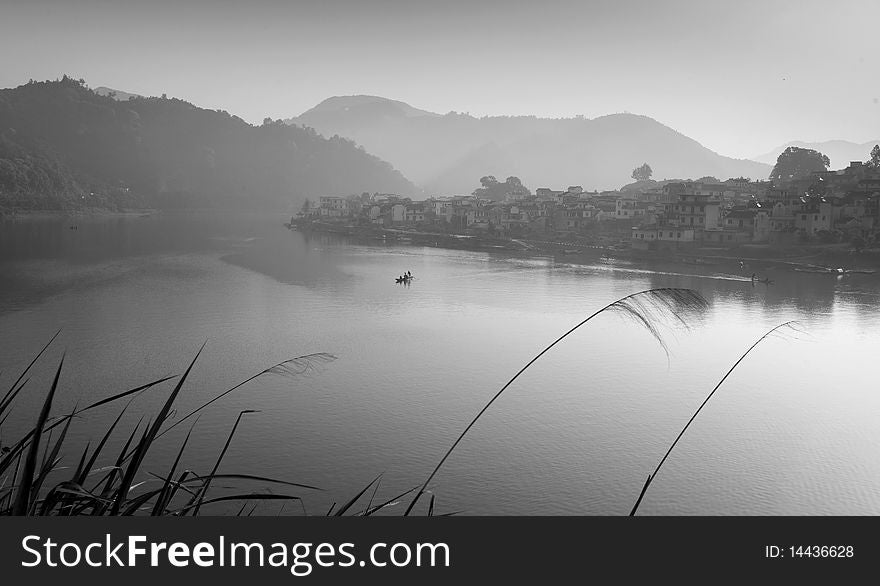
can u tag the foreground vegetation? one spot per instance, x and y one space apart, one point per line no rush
91 489
28 464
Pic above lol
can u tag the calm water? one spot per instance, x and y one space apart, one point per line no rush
793 431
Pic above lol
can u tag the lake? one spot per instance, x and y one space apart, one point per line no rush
794 430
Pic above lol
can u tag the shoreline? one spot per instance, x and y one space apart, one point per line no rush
6 215
816 259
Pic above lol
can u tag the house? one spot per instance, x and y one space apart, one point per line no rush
415 214
547 194
628 208
814 216
333 207
744 224
398 213
694 210
655 237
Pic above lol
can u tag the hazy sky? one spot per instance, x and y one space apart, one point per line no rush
739 76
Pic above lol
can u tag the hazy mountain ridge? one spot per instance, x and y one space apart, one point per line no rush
118 95
841 152
62 145
448 153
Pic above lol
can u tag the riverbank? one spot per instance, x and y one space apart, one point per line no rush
13 215
818 258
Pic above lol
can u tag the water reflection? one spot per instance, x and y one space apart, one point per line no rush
793 431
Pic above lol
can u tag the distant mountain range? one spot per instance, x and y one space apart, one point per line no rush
841 152
63 145
447 154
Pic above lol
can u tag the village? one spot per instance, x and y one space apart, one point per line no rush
839 207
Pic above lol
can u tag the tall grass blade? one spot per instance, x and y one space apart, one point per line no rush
81 478
51 461
350 503
166 487
126 483
10 397
651 309
291 368
23 494
110 400
258 496
149 437
788 324
207 483
178 486
117 466
389 503
29 366
373 496
257 478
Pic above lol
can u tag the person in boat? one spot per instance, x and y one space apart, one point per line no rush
754 277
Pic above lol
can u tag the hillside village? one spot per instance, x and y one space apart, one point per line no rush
823 207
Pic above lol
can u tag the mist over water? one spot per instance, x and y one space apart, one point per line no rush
792 431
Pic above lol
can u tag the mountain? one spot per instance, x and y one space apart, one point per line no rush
116 94
62 145
447 154
355 110
841 152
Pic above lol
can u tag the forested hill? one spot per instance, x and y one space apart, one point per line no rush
64 146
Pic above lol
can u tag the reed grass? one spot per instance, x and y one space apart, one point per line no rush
116 490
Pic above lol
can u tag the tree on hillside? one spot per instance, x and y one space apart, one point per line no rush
642 173
496 190
874 162
796 163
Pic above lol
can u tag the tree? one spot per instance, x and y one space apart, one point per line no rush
495 190
874 163
797 163
488 181
514 185
642 173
